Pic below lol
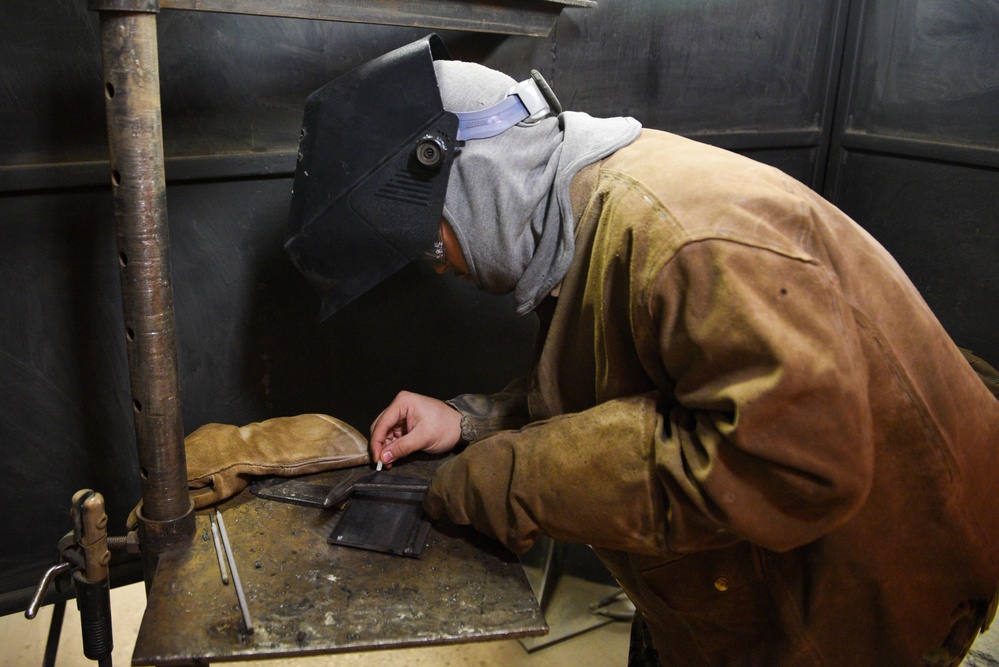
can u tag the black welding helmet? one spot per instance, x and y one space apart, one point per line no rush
373 164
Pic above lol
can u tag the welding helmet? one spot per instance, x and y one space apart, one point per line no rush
373 162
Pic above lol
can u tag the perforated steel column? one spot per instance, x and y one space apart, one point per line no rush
131 87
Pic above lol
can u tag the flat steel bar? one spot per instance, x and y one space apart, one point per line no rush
512 17
135 138
391 488
921 149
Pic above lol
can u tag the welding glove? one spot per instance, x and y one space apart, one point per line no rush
222 458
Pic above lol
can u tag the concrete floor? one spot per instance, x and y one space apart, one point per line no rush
22 644
985 651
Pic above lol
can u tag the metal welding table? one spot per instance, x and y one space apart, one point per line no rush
308 597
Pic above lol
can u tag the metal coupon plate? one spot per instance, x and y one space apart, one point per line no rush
391 522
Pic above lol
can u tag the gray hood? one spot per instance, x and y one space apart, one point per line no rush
508 196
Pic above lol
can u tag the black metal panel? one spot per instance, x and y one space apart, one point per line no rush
928 69
236 85
699 66
914 156
52 107
229 83
740 74
65 418
941 223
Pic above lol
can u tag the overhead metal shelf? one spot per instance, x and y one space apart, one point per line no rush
512 17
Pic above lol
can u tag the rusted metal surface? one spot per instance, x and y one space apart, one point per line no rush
511 17
308 597
135 136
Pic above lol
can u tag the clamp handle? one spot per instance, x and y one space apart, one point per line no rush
43 585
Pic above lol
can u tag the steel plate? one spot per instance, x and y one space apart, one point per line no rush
307 597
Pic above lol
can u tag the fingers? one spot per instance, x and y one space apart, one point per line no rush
391 425
386 421
414 423
388 427
399 448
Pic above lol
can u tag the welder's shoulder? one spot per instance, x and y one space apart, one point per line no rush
699 192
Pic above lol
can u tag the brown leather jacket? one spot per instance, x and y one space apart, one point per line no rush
748 411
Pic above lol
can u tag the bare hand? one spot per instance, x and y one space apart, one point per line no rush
412 423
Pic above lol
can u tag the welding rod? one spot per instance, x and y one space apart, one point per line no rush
218 551
235 575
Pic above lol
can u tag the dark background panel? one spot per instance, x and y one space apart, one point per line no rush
722 65
49 107
940 223
234 83
930 70
796 162
65 414
229 83
913 155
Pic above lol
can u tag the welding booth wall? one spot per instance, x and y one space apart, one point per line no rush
889 109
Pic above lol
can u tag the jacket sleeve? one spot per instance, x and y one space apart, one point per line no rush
770 435
759 431
571 477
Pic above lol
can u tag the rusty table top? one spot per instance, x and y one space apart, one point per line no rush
307 597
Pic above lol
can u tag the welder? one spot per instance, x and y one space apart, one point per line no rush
741 402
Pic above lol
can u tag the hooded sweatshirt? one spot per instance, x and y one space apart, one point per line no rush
508 196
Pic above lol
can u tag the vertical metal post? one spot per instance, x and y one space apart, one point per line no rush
135 135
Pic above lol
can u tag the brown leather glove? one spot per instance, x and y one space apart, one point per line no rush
221 458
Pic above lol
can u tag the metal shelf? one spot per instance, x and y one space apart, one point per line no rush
510 17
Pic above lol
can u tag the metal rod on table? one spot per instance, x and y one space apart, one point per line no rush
235 575
218 551
399 488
